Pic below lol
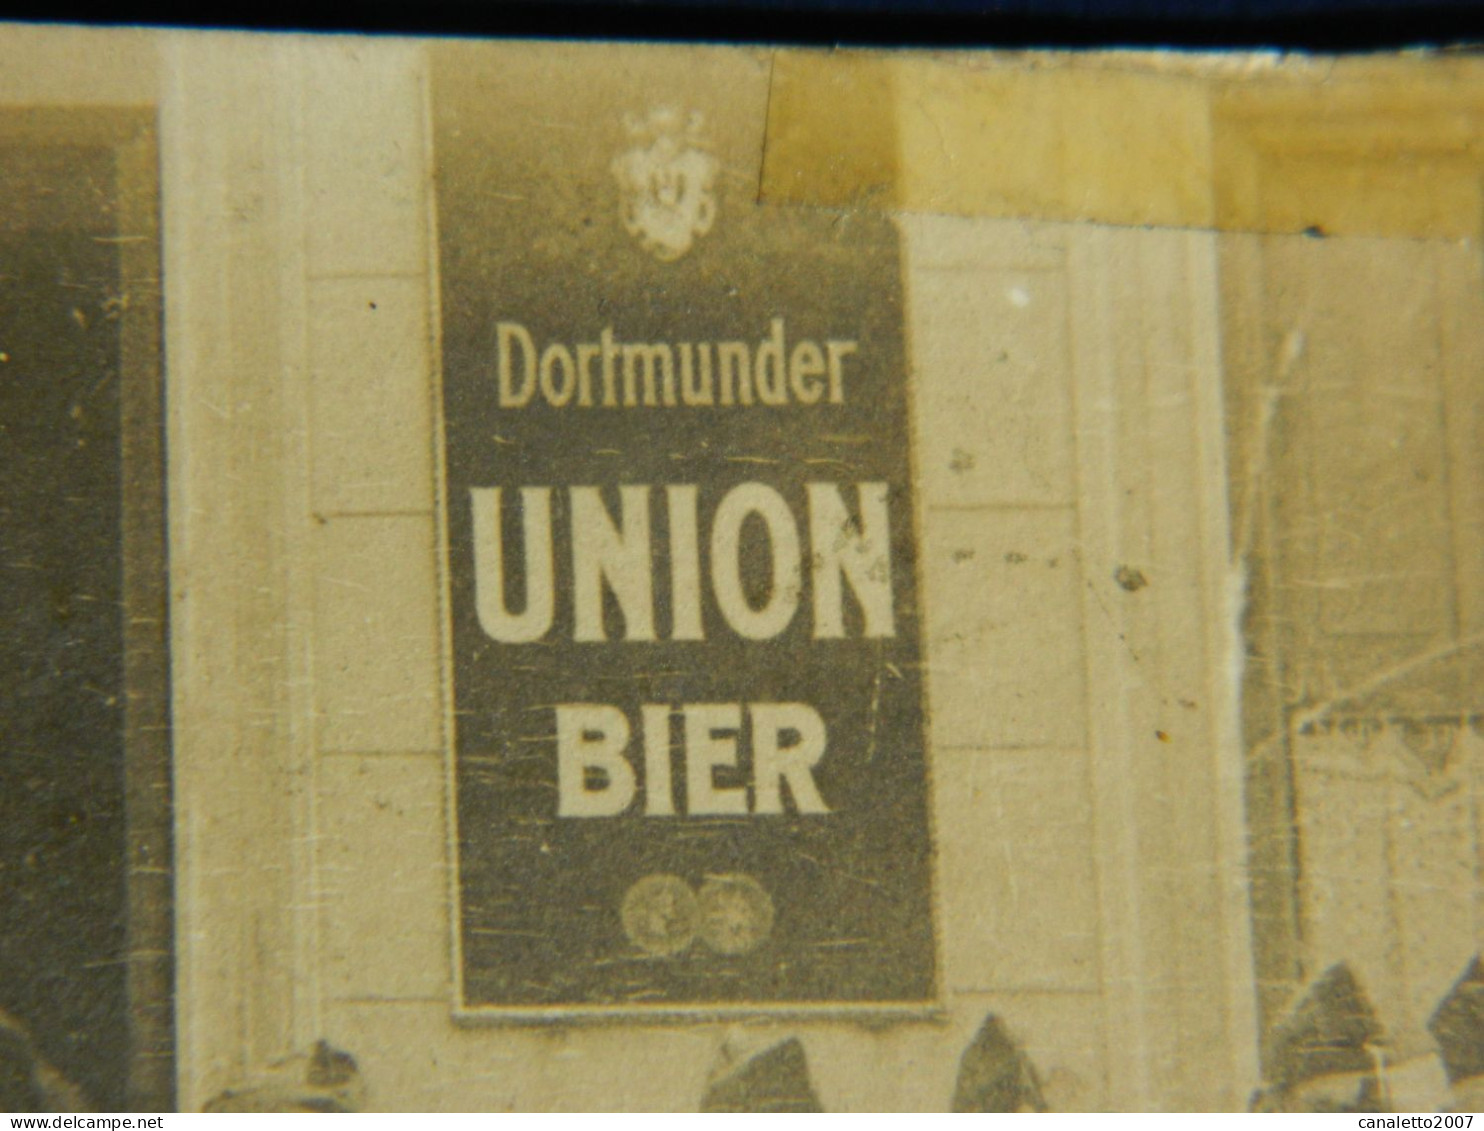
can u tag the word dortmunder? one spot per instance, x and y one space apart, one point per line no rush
609 373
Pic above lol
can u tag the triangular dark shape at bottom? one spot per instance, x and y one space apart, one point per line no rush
776 1079
995 1075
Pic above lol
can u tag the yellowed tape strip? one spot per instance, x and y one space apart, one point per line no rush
832 134
1389 146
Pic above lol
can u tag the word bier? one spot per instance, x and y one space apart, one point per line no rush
843 548
773 375
596 779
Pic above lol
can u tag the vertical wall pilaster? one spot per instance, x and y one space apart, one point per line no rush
1157 614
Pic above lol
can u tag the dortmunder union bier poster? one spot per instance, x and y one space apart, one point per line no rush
685 685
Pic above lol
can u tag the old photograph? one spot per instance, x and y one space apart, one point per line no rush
562 576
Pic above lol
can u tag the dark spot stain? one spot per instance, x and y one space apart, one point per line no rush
1162 736
962 555
962 461
1188 704
1129 579
1315 232
372 305
1014 557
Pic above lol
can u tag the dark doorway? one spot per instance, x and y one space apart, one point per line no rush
85 893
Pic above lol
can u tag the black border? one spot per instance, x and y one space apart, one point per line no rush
1298 25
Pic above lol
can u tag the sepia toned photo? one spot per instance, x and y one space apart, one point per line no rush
558 576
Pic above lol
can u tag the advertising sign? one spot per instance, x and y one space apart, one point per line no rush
686 687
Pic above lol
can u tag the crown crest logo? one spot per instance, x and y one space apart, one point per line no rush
667 181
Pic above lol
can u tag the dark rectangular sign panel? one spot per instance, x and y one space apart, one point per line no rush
686 688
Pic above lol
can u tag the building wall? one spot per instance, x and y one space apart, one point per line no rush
1099 522
1082 744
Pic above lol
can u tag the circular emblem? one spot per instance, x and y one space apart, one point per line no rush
736 913
660 914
